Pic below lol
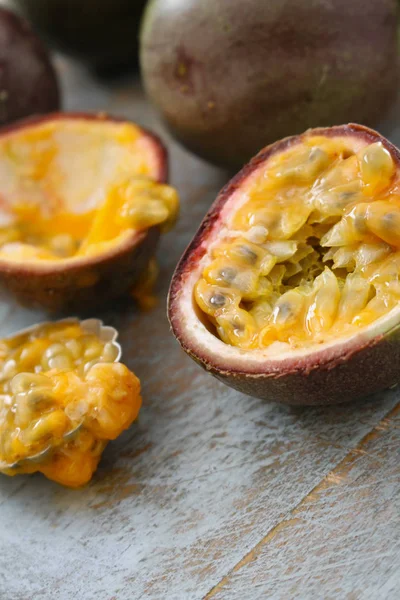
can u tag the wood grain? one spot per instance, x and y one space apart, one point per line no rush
211 494
341 537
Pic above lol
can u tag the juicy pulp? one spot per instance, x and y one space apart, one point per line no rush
76 188
61 389
311 253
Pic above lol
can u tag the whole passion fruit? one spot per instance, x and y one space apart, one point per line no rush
28 82
103 33
231 76
290 289
83 200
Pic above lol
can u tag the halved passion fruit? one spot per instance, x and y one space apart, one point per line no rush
290 289
82 202
63 395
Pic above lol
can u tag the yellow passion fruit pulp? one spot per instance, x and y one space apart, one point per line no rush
74 190
63 396
312 251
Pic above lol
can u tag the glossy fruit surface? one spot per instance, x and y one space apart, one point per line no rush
64 395
84 201
290 289
28 82
229 77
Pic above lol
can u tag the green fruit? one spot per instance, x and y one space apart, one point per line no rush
28 82
101 32
231 76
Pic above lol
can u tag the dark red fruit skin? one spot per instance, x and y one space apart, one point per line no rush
338 378
229 77
344 372
28 81
95 281
91 284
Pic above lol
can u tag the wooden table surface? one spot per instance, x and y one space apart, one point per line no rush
211 494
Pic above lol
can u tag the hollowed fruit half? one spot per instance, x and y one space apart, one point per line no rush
83 199
63 395
290 289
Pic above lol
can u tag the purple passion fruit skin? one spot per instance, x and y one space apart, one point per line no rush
103 33
93 279
230 77
362 362
28 81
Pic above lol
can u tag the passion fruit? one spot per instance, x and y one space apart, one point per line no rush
103 33
63 395
229 77
290 290
28 81
83 202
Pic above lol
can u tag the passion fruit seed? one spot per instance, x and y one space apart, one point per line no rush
376 168
300 165
287 308
53 424
143 204
247 254
227 274
147 204
331 203
261 311
322 310
59 410
217 300
354 297
224 273
87 195
237 327
383 220
212 298
330 224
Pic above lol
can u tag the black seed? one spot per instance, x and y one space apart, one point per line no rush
37 400
346 195
390 221
218 300
228 274
359 224
248 254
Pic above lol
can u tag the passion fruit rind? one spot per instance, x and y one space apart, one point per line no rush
76 287
341 371
94 280
352 372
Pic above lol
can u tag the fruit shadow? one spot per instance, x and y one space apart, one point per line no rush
346 424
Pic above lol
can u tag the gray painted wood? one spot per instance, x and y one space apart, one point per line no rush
211 494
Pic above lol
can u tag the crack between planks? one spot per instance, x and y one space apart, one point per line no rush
331 478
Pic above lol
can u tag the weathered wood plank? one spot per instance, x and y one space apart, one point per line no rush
342 541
